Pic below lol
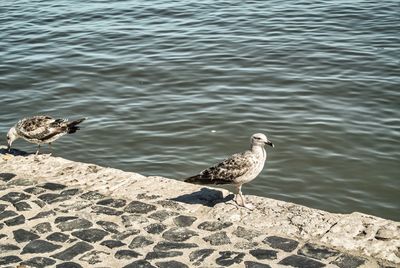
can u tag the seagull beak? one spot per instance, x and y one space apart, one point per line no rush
269 143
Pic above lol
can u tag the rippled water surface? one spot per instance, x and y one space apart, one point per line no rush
171 87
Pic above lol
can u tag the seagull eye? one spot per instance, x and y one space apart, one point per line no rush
257 138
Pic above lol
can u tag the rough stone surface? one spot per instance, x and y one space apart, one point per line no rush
139 207
214 225
218 239
140 241
82 215
40 246
90 235
228 258
264 254
184 221
73 251
301 262
21 235
39 262
282 243
179 234
126 254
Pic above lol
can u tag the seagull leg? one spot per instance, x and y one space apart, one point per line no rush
51 149
243 203
38 148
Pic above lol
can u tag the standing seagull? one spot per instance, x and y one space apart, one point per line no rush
41 129
238 169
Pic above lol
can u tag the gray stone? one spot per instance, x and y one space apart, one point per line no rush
43 214
217 239
7 214
34 190
22 235
246 245
94 257
39 246
51 198
139 207
316 251
184 221
74 224
73 251
4 248
111 202
39 262
14 197
162 254
126 254
64 219
22 206
125 234
179 234
263 254
106 211
52 186
162 215
348 261
213 226
227 258
39 202
253 264
147 197
140 242
155 228
75 206
70 192
6 177
3 207
58 237
42 228
5 260
301 262
139 264
15 221
109 226
166 245
171 264
112 243
246 233
92 195
90 235
69 265
198 256
20 182
130 220
282 243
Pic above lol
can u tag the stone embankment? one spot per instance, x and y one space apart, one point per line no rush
59 213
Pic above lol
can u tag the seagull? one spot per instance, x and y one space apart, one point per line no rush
238 169
41 129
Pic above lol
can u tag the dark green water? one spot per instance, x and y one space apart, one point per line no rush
171 87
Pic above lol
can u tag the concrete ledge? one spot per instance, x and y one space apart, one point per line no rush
167 223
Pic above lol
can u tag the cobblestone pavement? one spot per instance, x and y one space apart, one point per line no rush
52 225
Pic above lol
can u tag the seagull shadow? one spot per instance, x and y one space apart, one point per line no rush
14 152
205 196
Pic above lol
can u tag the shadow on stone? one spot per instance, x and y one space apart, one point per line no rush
14 152
206 197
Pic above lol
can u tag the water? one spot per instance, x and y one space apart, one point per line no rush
171 87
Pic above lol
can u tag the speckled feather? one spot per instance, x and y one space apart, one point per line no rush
44 129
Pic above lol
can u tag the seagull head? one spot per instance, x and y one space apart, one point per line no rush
260 140
12 135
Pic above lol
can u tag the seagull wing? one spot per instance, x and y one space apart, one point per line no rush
225 172
41 127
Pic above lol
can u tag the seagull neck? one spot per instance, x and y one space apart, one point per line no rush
257 149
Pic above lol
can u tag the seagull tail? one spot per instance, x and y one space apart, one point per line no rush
73 125
198 179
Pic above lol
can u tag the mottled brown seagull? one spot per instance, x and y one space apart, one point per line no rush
41 129
238 169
